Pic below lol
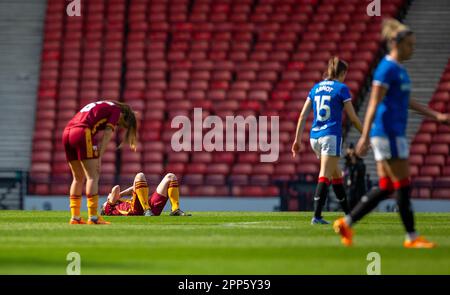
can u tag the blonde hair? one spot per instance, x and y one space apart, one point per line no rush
335 68
391 28
129 117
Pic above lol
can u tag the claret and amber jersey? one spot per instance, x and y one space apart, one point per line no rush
132 207
96 116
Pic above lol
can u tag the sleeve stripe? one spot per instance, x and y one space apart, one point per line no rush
347 99
111 125
379 83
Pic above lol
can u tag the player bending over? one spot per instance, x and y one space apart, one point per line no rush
84 155
141 203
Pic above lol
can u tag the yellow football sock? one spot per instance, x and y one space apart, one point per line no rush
75 206
141 190
174 195
92 204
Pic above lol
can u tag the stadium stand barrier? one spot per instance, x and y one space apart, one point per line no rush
13 186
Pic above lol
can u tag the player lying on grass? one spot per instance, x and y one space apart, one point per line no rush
141 202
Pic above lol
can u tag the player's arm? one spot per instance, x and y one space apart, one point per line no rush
114 195
107 135
296 146
126 192
376 95
350 111
428 112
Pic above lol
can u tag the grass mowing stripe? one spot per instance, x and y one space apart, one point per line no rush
37 242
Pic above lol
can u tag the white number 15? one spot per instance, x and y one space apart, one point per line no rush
320 105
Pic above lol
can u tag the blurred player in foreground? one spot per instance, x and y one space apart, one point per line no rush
385 129
84 156
141 203
327 99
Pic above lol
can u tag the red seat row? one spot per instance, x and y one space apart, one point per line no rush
164 57
430 160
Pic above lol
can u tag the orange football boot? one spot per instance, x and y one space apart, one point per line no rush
419 242
99 220
77 221
340 227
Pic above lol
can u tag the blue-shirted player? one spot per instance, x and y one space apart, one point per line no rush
385 129
327 99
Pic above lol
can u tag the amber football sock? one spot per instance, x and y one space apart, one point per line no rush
92 204
141 190
174 195
75 206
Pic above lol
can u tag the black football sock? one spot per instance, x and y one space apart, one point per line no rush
371 200
341 195
403 190
320 196
368 203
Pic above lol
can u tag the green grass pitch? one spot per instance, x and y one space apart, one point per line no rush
37 242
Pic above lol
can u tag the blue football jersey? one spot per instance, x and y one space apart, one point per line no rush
391 115
328 99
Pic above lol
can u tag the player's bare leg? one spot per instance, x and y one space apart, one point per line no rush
92 172
114 195
168 187
112 198
76 190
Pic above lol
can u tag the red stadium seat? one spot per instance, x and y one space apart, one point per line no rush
415 159
414 170
434 160
441 193
238 179
307 169
176 168
148 168
131 168
439 149
443 181
178 157
422 193
419 149
201 157
288 169
430 171
446 171
262 180
222 169
247 58
193 179
215 179
196 168
248 158
267 169
223 157
423 138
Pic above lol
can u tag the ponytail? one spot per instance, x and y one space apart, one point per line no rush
335 68
129 117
